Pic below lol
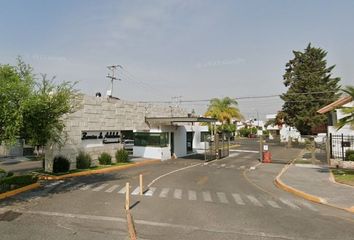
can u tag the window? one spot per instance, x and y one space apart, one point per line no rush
151 139
204 136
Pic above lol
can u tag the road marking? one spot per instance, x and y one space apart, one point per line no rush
309 206
111 189
76 186
245 151
232 166
223 165
136 191
123 190
164 192
290 204
174 171
86 187
207 196
177 194
258 235
192 195
53 184
150 192
222 197
273 204
254 201
238 199
99 188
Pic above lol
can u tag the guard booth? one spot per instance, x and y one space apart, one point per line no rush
176 137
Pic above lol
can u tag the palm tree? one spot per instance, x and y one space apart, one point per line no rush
348 111
224 110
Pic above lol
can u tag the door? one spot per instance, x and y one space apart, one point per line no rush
190 142
172 143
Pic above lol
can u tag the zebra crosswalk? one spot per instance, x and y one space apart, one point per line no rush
208 196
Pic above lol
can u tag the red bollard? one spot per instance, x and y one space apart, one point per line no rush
267 157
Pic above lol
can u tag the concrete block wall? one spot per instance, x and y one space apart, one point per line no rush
105 114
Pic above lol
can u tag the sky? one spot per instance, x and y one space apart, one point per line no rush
194 50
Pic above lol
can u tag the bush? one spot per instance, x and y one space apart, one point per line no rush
349 155
122 156
20 180
83 160
9 174
61 164
105 159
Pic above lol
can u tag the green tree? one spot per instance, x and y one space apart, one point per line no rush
224 110
310 86
348 111
16 84
44 111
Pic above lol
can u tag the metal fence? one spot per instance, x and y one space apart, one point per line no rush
218 147
340 144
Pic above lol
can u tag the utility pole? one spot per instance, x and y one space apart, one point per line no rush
112 76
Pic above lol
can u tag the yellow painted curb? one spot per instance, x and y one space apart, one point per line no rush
297 192
19 190
98 171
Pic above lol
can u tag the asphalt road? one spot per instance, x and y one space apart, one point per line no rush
224 199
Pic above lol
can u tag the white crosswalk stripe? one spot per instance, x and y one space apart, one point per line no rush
273 204
254 201
136 191
309 206
192 195
150 192
87 186
238 199
99 188
77 186
164 192
123 190
177 194
207 196
288 203
222 197
111 189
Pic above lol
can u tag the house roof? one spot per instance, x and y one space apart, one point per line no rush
340 102
170 120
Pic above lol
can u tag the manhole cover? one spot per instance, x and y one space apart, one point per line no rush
9 216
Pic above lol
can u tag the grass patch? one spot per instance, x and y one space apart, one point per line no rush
84 170
345 176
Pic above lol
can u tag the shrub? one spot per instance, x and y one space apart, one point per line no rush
61 164
105 159
349 155
83 160
9 174
122 156
20 180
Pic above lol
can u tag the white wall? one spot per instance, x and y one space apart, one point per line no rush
346 130
152 152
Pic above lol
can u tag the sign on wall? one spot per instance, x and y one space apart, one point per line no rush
105 137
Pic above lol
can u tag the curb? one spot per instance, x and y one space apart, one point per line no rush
312 198
19 190
280 184
98 171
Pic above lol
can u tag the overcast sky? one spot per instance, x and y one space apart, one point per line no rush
194 49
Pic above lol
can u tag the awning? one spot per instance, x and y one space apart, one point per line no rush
171 120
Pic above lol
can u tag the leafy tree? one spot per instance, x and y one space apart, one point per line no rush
310 86
16 83
44 111
348 111
224 110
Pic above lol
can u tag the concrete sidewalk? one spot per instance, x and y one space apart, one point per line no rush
19 164
314 182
